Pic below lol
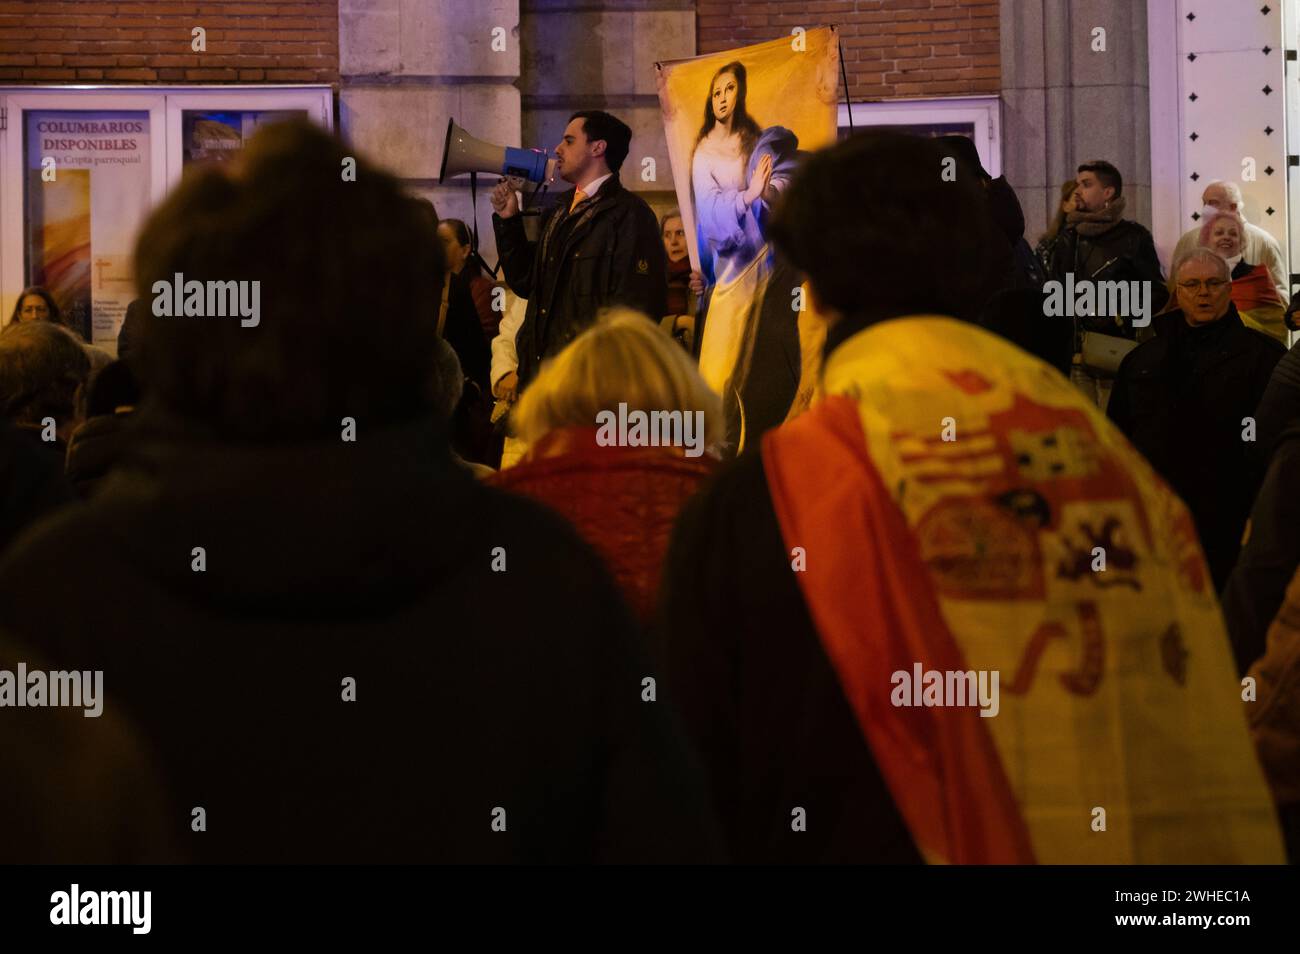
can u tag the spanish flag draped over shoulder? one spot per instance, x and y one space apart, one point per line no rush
962 507
1255 289
1259 304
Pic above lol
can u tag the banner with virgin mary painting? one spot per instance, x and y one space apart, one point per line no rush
737 124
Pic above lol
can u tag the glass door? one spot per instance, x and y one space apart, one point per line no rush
80 168
81 172
213 125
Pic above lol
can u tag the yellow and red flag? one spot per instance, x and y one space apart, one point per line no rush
963 507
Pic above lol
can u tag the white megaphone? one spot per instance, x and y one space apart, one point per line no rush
462 153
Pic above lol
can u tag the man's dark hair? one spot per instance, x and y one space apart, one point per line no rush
880 232
42 366
1106 174
601 125
350 274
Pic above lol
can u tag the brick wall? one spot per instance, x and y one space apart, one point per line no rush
892 48
148 41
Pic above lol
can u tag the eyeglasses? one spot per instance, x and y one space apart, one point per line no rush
1212 285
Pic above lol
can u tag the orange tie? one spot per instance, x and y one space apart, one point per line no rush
578 196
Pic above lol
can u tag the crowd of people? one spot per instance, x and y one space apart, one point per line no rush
369 582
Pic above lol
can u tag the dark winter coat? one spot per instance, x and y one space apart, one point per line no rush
372 657
607 252
1124 252
95 448
31 479
1270 556
1182 398
761 699
464 331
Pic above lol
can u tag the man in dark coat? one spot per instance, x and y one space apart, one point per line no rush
339 645
31 480
600 247
1099 244
111 397
1270 555
1183 398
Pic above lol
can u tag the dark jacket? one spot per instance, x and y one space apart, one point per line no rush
1279 408
78 790
464 331
518 688
31 479
1270 556
608 252
1016 314
1275 715
1124 252
1181 398
95 448
1026 270
763 703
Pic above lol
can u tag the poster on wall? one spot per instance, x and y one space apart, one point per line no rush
218 135
737 124
87 191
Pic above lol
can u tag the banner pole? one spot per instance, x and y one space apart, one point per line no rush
845 74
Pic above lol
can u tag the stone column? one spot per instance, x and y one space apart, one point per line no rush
600 54
407 66
1064 103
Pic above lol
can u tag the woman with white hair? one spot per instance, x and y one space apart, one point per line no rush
621 430
1252 290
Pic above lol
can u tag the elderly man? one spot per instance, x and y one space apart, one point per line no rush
42 369
1183 398
1260 247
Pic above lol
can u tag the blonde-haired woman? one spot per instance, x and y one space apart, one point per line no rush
1253 291
621 431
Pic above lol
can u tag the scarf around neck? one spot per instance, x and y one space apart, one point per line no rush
1095 223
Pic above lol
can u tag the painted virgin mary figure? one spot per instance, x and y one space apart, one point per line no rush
737 172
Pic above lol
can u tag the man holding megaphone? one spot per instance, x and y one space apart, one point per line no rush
598 246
